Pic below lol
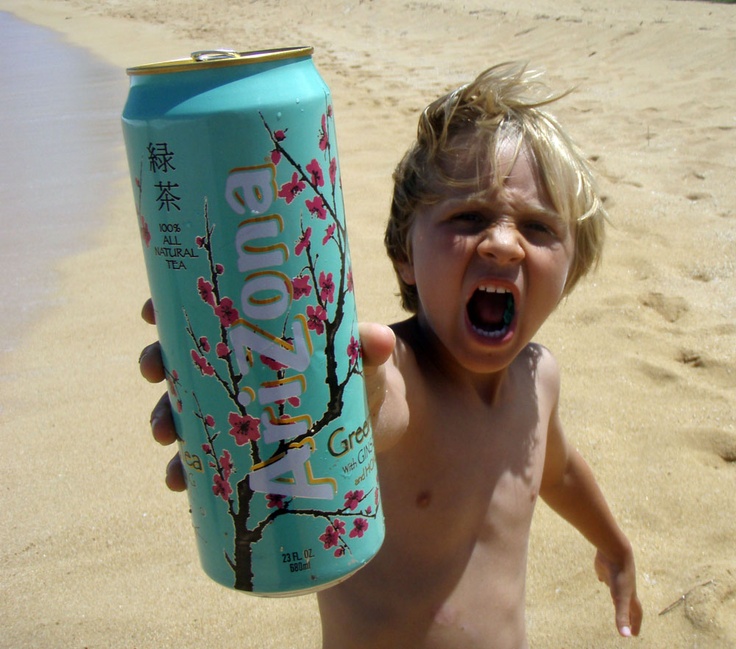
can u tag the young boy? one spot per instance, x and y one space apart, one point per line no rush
495 217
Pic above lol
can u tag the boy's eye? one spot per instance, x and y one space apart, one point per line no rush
536 226
468 217
541 229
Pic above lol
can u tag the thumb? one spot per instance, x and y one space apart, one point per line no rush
377 343
628 615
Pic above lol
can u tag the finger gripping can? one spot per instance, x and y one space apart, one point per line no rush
237 190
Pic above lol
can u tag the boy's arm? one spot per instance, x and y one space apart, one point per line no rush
570 489
384 385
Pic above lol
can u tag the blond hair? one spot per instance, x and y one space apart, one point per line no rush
503 104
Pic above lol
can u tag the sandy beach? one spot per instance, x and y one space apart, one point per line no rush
96 552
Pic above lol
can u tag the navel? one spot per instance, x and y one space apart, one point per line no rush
424 498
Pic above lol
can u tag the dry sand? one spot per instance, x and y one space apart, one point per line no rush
97 553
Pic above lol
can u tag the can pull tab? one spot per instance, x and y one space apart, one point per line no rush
214 55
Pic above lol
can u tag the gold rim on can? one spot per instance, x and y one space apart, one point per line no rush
206 59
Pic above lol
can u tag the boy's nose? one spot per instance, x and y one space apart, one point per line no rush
501 242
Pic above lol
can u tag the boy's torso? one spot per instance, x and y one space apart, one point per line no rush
458 492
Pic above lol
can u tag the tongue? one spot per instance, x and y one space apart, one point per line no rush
486 310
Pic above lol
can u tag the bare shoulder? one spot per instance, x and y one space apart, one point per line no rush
541 362
387 394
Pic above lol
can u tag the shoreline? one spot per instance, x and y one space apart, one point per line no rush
61 164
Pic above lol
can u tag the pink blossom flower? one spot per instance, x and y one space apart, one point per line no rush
171 380
353 350
292 401
290 190
145 232
204 344
219 269
330 538
353 498
222 488
315 170
280 135
350 280
326 287
206 291
225 311
340 552
202 364
209 421
316 317
207 449
222 350
328 234
360 525
316 207
303 241
244 428
333 170
275 500
332 534
324 137
226 462
272 364
199 241
301 285
275 156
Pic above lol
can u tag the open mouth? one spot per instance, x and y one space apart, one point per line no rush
491 311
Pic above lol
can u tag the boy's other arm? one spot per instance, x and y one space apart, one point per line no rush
570 489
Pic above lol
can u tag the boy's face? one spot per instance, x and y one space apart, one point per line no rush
489 266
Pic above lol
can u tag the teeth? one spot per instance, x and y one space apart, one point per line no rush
493 289
491 334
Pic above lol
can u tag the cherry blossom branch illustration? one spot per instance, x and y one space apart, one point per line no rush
320 206
325 316
335 530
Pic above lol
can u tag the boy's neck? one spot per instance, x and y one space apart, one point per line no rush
436 359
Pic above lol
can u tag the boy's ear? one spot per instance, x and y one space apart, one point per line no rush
406 272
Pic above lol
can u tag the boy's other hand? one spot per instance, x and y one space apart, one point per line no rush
162 423
377 342
621 580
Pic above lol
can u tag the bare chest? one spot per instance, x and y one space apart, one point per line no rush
471 479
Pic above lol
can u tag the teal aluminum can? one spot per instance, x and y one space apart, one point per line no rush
237 190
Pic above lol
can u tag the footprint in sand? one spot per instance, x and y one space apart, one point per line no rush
718 445
670 308
698 196
718 373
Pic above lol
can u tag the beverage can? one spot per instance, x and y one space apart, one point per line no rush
236 182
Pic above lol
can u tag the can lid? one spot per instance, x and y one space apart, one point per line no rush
204 59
